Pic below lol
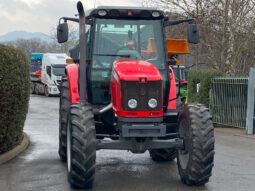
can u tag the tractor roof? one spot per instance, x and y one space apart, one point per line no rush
119 12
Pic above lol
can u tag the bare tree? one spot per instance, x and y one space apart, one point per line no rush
32 45
28 46
226 31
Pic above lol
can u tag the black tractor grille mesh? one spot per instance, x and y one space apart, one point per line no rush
142 92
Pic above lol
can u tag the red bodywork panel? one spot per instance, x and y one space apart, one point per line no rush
132 70
172 93
72 74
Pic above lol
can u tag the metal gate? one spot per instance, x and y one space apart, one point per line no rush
228 101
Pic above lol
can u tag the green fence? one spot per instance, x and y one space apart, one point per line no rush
228 101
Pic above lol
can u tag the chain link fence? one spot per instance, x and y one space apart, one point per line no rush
228 101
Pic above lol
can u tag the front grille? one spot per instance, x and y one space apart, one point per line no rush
142 92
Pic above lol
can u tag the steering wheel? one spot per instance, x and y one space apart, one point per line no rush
134 51
97 62
122 48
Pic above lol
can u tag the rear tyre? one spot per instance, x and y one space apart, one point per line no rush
32 88
161 155
64 105
195 161
81 146
37 89
46 91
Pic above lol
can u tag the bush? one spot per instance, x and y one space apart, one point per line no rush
204 78
14 96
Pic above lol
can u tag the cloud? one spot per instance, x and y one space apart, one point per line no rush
31 3
42 15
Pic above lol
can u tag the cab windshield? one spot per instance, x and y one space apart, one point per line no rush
122 39
58 71
128 39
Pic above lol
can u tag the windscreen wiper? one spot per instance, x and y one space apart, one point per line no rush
120 55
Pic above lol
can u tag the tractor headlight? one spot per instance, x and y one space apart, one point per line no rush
152 103
155 14
102 12
132 103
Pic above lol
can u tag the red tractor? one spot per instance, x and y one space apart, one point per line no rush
121 95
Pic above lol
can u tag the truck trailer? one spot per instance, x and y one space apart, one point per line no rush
46 72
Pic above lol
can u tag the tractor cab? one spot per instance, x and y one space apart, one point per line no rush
122 39
118 33
121 94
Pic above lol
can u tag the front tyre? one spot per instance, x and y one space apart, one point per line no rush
195 161
81 146
64 105
46 91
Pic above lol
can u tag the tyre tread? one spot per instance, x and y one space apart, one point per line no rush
200 164
64 106
84 153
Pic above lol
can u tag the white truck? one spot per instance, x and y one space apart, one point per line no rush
47 80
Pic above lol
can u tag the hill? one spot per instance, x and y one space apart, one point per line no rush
14 35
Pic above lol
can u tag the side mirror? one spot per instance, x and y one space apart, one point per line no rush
62 32
48 70
193 33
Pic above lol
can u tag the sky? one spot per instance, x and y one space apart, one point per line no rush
43 15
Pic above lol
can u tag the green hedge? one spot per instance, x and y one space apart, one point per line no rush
204 78
14 96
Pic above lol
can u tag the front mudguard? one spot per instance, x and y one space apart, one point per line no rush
72 76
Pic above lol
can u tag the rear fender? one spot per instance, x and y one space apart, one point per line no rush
72 75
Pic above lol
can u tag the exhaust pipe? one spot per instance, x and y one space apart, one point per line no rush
82 79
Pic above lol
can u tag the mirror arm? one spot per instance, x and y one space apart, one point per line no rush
74 20
69 19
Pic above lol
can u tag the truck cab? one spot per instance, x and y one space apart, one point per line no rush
53 68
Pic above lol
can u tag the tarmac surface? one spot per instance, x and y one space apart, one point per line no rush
39 167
